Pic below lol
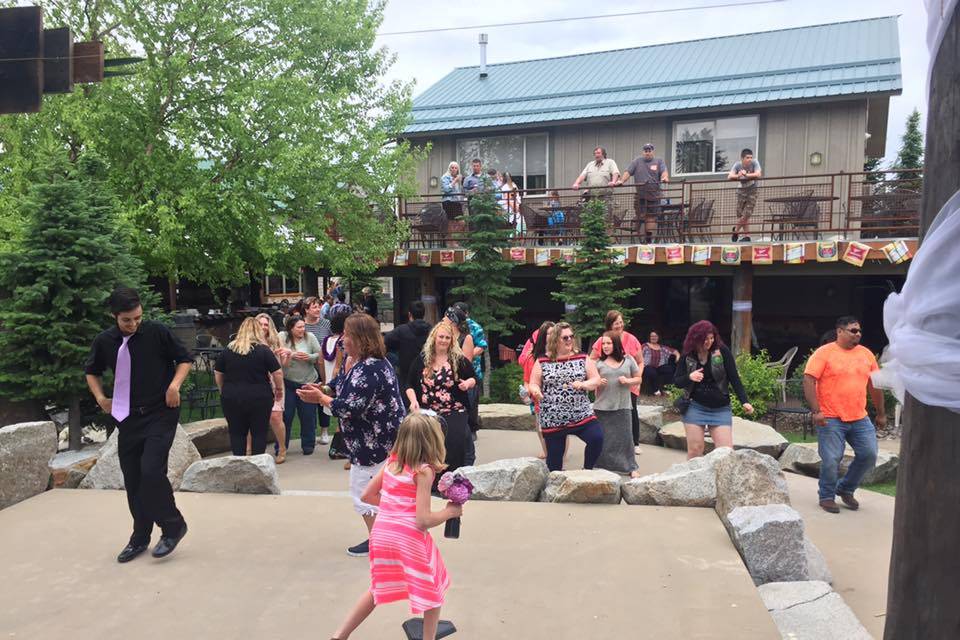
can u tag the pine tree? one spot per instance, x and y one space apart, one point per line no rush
592 282
54 281
486 273
910 155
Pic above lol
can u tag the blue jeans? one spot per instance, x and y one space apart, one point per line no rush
307 411
831 439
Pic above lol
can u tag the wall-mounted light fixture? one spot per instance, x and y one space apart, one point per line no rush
816 159
434 181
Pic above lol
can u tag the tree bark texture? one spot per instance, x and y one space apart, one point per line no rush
924 586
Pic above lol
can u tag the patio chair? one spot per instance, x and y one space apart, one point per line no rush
701 216
536 224
793 404
783 364
431 223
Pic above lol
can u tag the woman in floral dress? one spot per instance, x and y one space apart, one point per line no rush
368 405
439 380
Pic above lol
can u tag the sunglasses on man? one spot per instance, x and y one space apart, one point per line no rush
855 332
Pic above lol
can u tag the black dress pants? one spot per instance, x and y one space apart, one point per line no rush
247 415
458 441
634 419
144 444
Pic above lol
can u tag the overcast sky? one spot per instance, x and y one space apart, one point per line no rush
425 58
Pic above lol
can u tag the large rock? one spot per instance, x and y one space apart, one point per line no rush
233 474
811 610
747 478
25 450
770 541
651 421
507 417
583 485
210 437
803 458
687 484
69 468
817 568
106 473
516 479
746 435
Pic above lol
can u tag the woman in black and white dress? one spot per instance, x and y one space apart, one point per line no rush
560 382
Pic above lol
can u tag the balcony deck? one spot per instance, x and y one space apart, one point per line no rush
871 208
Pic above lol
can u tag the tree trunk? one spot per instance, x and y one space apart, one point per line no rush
924 587
741 337
310 282
489 371
75 423
172 293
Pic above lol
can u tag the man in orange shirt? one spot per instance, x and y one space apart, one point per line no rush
835 383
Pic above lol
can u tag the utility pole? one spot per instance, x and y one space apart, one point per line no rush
924 586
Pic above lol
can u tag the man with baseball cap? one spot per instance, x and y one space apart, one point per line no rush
648 172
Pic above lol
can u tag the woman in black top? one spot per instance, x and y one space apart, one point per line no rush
439 380
706 371
242 374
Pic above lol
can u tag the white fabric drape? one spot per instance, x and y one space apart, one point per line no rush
923 320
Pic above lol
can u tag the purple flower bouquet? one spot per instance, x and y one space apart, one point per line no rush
457 489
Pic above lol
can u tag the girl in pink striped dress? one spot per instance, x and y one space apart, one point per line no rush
404 563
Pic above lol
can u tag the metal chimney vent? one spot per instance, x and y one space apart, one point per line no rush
483 56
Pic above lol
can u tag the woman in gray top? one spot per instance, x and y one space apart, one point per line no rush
618 372
301 369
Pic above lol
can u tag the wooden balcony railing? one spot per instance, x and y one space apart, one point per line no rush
849 206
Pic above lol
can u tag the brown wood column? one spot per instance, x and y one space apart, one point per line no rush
924 588
742 332
428 295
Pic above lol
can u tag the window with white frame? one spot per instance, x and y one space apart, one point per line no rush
276 285
524 157
712 146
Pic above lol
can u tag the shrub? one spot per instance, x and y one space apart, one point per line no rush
759 381
504 383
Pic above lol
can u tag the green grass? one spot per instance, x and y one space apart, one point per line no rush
797 436
886 488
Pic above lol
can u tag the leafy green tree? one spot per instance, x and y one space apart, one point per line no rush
592 283
910 155
54 281
256 134
486 273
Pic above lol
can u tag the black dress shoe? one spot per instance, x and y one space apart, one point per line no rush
168 543
130 552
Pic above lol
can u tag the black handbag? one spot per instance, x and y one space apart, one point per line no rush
681 404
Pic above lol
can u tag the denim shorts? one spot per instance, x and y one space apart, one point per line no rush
707 416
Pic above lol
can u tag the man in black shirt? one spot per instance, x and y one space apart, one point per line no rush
149 365
406 341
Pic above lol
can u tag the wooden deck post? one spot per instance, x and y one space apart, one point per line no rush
428 295
924 589
741 335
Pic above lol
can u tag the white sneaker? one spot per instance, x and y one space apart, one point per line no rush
324 438
656 393
637 450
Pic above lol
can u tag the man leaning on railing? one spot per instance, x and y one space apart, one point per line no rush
746 171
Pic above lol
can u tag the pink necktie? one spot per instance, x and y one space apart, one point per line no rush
121 383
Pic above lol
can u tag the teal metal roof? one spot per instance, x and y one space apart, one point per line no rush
804 63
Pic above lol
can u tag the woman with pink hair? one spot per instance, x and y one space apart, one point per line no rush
706 371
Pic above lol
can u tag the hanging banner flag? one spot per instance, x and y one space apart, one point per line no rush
701 255
567 256
762 254
646 254
468 255
400 258
730 255
795 252
424 258
674 254
541 257
620 255
827 251
855 253
446 258
897 251
518 254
